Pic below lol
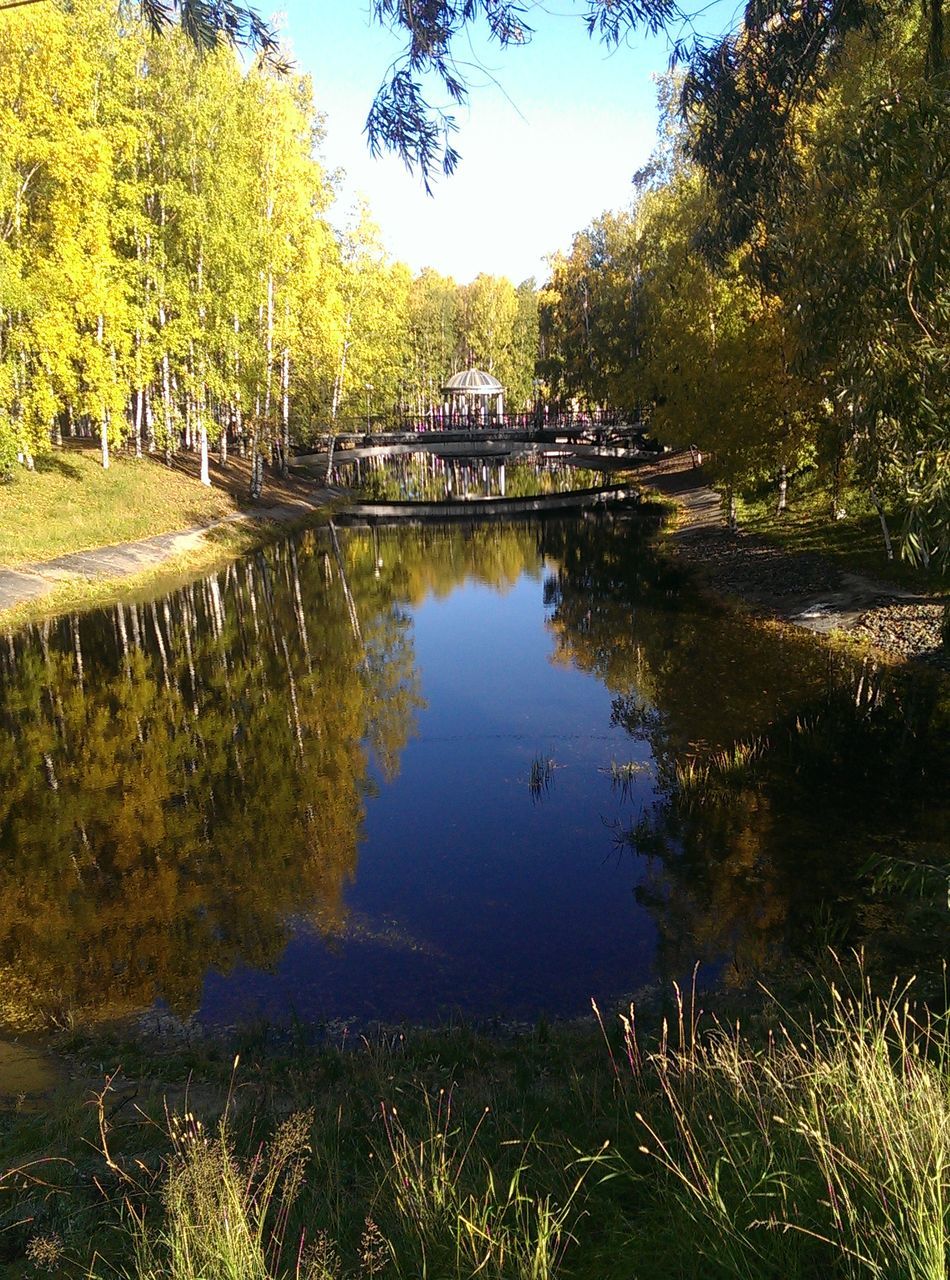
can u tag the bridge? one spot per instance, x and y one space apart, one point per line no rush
594 443
471 509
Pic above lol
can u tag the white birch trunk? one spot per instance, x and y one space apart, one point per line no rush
104 428
285 413
203 447
139 412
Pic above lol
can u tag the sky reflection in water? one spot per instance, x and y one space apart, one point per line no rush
303 788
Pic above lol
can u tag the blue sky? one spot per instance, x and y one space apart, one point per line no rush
551 138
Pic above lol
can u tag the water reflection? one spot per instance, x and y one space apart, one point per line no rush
181 776
187 785
783 767
426 477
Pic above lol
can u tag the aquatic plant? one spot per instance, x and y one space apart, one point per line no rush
541 776
623 775
728 767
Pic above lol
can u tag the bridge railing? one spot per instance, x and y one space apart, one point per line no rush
358 430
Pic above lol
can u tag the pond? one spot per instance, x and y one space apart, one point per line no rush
400 774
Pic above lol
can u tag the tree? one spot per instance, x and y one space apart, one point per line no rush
594 307
166 268
869 285
434 305
715 351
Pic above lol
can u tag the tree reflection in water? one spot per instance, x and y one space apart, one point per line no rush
781 765
183 781
180 776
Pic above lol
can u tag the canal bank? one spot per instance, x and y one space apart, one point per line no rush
813 591
654 777
807 590
804 589
594 1153
92 577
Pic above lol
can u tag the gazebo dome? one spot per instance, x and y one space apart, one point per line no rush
473 382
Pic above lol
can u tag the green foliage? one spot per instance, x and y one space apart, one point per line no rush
813 1143
825 1153
168 274
780 293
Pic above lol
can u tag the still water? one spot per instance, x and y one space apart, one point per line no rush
400 773
426 477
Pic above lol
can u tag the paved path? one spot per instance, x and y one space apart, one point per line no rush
676 476
32 581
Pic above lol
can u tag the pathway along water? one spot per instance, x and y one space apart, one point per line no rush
397 773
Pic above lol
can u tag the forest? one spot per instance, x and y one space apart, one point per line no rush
174 273
778 292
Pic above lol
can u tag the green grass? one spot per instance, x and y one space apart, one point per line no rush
215 548
69 503
856 541
798 1148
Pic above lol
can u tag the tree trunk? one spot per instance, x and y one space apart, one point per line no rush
285 413
879 508
269 350
837 510
104 432
139 410
166 391
782 490
257 466
149 421
203 447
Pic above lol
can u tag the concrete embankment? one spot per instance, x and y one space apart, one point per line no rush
125 561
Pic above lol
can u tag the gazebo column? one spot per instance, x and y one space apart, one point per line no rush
500 405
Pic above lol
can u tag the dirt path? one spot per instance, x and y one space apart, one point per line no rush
125 559
806 589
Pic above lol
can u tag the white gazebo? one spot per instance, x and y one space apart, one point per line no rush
470 394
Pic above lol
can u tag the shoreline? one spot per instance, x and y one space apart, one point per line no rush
802 589
100 575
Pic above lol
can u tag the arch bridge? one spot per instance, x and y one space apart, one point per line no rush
586 442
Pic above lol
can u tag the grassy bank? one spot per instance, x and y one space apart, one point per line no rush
819 1148
69 503
855 541
208 552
